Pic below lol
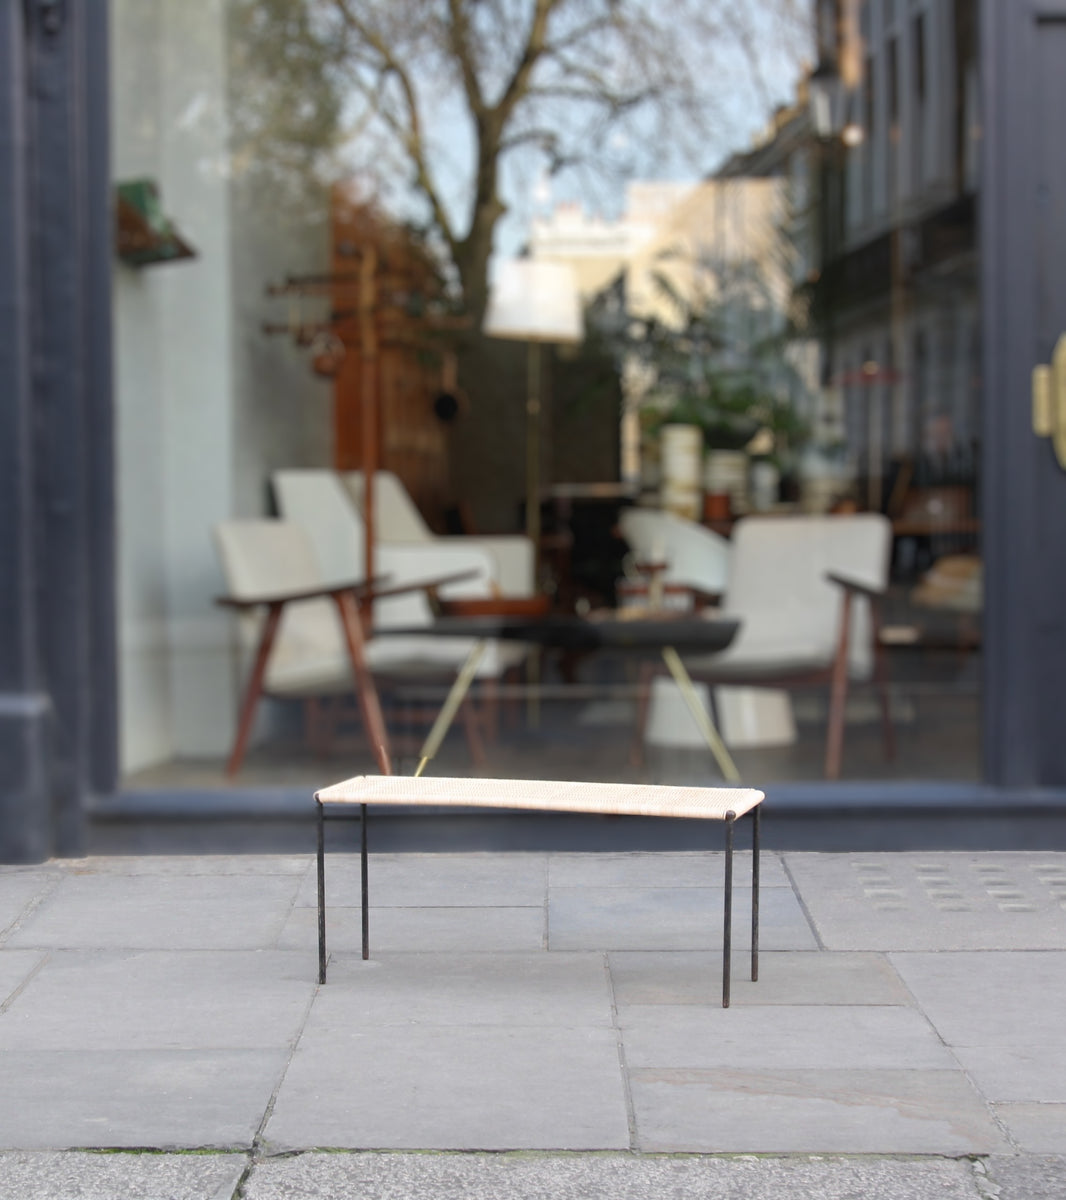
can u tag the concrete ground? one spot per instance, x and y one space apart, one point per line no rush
547 1024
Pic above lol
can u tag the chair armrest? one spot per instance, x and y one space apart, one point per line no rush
377 588
360 587
855 585
512 555
428 563
438 558
429 586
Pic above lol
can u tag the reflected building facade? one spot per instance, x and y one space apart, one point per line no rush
895 289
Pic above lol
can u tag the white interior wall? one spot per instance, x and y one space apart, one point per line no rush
173 383
207 405
144 663
282 411
197 372
146 725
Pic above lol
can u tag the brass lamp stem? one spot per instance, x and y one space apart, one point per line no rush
533 449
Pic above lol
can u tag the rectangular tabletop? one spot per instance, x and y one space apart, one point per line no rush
613 799
580 633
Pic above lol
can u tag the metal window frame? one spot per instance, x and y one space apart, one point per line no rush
1023 666
58 683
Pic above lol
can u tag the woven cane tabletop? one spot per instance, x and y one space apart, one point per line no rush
613 799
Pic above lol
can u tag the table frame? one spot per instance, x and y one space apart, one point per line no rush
727 903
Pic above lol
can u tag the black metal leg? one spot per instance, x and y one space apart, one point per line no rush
366 892
727 932
755 818
321 893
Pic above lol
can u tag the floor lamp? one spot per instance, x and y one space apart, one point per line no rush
534 301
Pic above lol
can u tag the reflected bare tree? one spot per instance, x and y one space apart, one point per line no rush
440 99
286 102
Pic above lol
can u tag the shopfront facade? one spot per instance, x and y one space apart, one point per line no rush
75 366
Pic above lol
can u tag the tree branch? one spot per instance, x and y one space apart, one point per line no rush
459 41
535 46
613 102
412 132
577 35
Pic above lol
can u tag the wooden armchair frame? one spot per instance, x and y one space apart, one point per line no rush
834 673
350 598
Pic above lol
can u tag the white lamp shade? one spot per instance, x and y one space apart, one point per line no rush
533 300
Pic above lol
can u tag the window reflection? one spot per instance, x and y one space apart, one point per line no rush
772 236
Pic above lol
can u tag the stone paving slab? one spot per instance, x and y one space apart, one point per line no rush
690 869
785 977
1028 1178
1009 998
134 1000
188 864
197 912
16 966
467 989
154 1008
832 1111
19 888
686 918
467 1088
62 1176
1001 1012
858 1038
166 1099
419 930
1017 1074
938 901
1037 1128
452 880
602 1177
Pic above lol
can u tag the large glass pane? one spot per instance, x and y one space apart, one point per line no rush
633 314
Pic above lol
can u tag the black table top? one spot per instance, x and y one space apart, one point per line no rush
584 633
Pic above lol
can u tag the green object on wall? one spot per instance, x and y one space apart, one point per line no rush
143 234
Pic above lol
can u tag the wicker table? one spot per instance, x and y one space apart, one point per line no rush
607 799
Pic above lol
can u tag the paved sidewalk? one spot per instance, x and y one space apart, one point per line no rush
563 1008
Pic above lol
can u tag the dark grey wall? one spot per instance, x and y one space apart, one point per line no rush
57 677
1023 264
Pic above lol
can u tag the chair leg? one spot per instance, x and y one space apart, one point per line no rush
881 681
490 707
838 695
512 704
534 667
450 708
254 688
636 750
365 688
699 714
472 730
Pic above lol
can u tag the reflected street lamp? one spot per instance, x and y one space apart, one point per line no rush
535 301
826 101
824 97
